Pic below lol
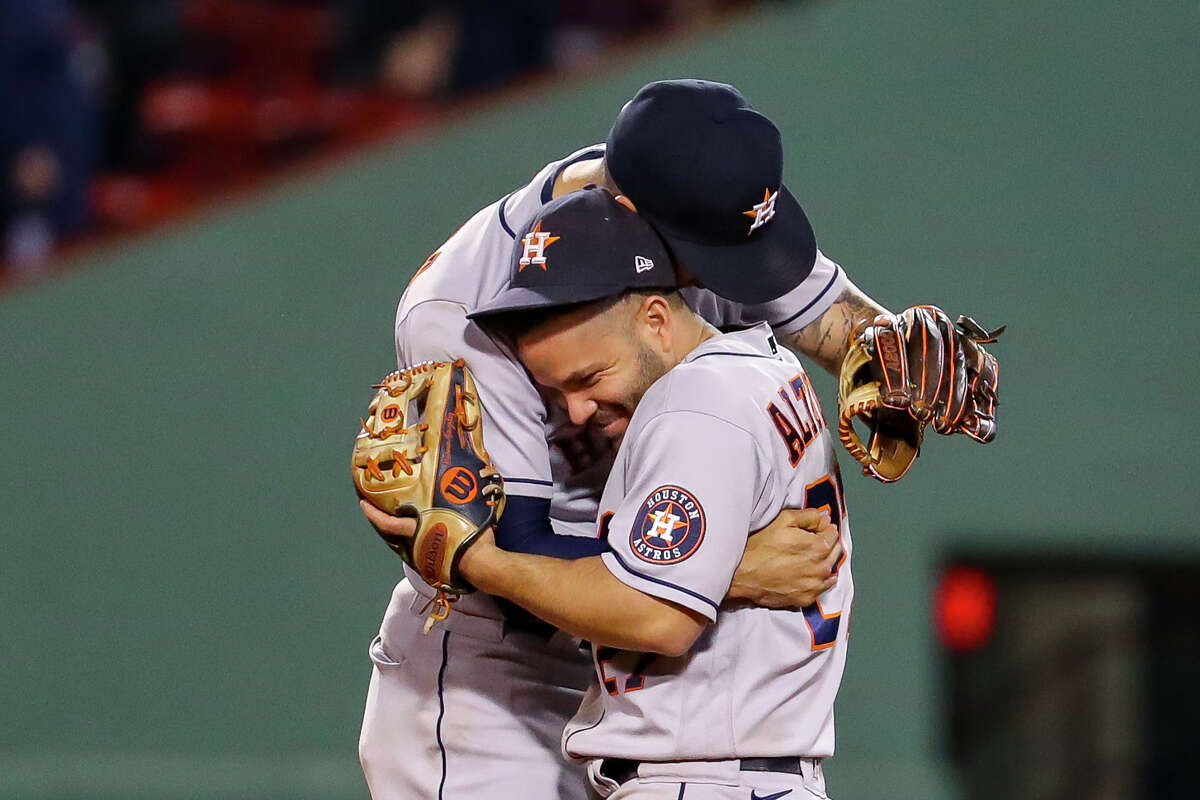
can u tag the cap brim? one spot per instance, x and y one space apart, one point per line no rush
768 264
520 298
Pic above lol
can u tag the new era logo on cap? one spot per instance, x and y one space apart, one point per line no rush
642 264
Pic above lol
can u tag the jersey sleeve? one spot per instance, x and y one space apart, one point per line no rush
514 415
796 309
692 481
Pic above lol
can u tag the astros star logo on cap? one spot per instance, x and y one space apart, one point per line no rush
762 212
536 242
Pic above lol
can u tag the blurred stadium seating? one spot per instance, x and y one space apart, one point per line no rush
189 99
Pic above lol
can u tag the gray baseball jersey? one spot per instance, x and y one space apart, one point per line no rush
474 676
715 449
471 268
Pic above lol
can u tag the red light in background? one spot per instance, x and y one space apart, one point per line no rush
964 608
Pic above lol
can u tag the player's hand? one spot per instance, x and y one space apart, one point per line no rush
789 563
385 523
473 564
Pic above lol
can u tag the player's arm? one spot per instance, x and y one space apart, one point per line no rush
583 598
787 564
815 318
626 598
826 340
951 379
514 425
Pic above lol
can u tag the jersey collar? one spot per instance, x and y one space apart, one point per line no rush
754 340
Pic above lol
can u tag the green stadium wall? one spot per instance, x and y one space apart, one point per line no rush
188 586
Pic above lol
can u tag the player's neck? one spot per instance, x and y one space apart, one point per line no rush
695 333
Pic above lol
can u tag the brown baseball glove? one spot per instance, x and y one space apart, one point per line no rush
906 370
420 454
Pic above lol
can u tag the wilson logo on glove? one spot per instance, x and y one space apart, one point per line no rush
459 486
420 454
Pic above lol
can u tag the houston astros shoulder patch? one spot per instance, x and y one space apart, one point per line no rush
668 527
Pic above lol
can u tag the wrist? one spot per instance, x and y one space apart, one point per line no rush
477 563
739 591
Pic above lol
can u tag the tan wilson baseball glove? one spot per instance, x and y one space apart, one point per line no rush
420 454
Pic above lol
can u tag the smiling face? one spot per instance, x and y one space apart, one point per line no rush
599 360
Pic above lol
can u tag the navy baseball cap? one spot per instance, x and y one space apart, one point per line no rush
581 247
706 170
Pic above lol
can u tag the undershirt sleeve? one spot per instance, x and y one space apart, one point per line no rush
525 528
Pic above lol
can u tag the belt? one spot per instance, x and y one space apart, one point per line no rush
623 769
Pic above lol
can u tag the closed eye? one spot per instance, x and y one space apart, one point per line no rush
584 380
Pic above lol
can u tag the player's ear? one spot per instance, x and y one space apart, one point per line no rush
656 318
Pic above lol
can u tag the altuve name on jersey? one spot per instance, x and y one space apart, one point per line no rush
803 420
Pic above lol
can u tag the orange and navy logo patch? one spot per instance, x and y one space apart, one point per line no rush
459 486
763 212
535 243
668 527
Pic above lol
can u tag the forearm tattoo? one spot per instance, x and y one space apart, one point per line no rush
827 339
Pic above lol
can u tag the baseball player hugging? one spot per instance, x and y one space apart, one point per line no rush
605 296
476 707
694 697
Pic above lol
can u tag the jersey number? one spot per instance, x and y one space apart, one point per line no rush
825 494
634 679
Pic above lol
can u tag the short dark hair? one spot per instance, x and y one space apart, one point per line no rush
512 325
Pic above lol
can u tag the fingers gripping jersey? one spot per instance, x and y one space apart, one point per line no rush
715 449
